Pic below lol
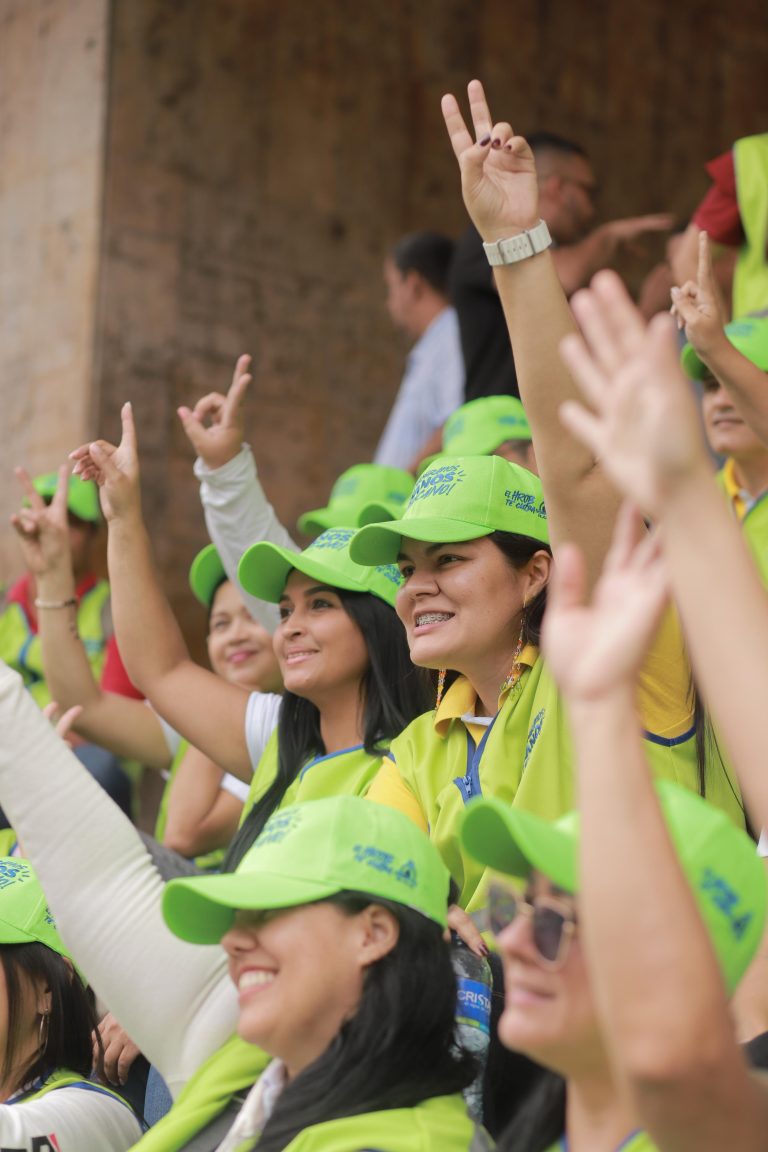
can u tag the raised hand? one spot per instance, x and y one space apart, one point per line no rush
216 426
42 528
642 423
114 468
696 305
595 647
498 173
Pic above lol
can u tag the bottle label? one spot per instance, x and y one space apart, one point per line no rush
474 1004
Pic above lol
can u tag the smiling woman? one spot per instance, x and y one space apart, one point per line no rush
333 923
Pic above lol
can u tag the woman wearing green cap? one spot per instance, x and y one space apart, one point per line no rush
474 550
631 922
47 1098
333 927
350 686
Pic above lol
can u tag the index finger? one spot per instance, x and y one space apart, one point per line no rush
35 499
454 122
59 502
129 428
705 275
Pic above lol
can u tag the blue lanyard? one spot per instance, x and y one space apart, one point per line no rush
469 784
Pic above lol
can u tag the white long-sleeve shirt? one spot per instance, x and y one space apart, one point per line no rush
238 514
174 999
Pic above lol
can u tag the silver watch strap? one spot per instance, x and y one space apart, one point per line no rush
520 247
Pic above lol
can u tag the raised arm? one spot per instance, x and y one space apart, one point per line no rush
237 512
500 191
174 999
203 707
124 726
698 310
577 263
643 424
649 955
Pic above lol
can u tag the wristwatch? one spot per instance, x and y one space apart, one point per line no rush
520 247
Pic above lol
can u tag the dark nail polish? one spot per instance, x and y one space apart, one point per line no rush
485 140
496 143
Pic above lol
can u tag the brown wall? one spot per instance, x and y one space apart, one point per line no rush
52 112
261 156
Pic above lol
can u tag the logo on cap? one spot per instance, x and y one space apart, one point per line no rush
725 899
381 861
335 538
13 873
437 481
525 502
278 827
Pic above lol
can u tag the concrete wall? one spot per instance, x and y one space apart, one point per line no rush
259 159
52 115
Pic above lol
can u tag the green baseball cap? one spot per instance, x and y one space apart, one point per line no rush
206 573
263 569
479 427
363 484
460 498
719 860
82 495
309 852
749 335
24 914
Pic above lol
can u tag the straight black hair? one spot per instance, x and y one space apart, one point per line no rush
392 693
539 1124
518 550
399 1048
72 1021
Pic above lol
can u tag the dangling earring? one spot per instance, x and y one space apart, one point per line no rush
42 1035
440 686
515 671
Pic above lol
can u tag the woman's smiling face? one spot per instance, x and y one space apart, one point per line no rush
460 604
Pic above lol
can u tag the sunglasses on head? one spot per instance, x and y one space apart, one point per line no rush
553 923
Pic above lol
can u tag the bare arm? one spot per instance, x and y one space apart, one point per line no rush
202 816
576 264
124 726
203 707
649 955
644 425
501 194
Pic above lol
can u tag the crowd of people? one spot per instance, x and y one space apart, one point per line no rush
458 843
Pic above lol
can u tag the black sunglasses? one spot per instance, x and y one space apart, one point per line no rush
553 924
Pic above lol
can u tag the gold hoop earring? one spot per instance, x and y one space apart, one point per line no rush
42 1034
440 687
516 670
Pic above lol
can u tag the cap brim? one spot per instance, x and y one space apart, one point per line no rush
694 368
205 574
317 521
515 842
264 568
202 908
381 543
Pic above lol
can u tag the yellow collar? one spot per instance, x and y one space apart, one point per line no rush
461 698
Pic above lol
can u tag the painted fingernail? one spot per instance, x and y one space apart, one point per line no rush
485 140
496 143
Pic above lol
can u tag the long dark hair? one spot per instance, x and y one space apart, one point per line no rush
72 1021
399 1047
539 1124
392 693
518 550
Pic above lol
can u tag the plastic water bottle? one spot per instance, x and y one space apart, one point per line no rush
473 1015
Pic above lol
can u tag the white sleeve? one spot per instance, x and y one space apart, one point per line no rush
69 1119
174 999
172 737
261 716
237 788
238 514
762 845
